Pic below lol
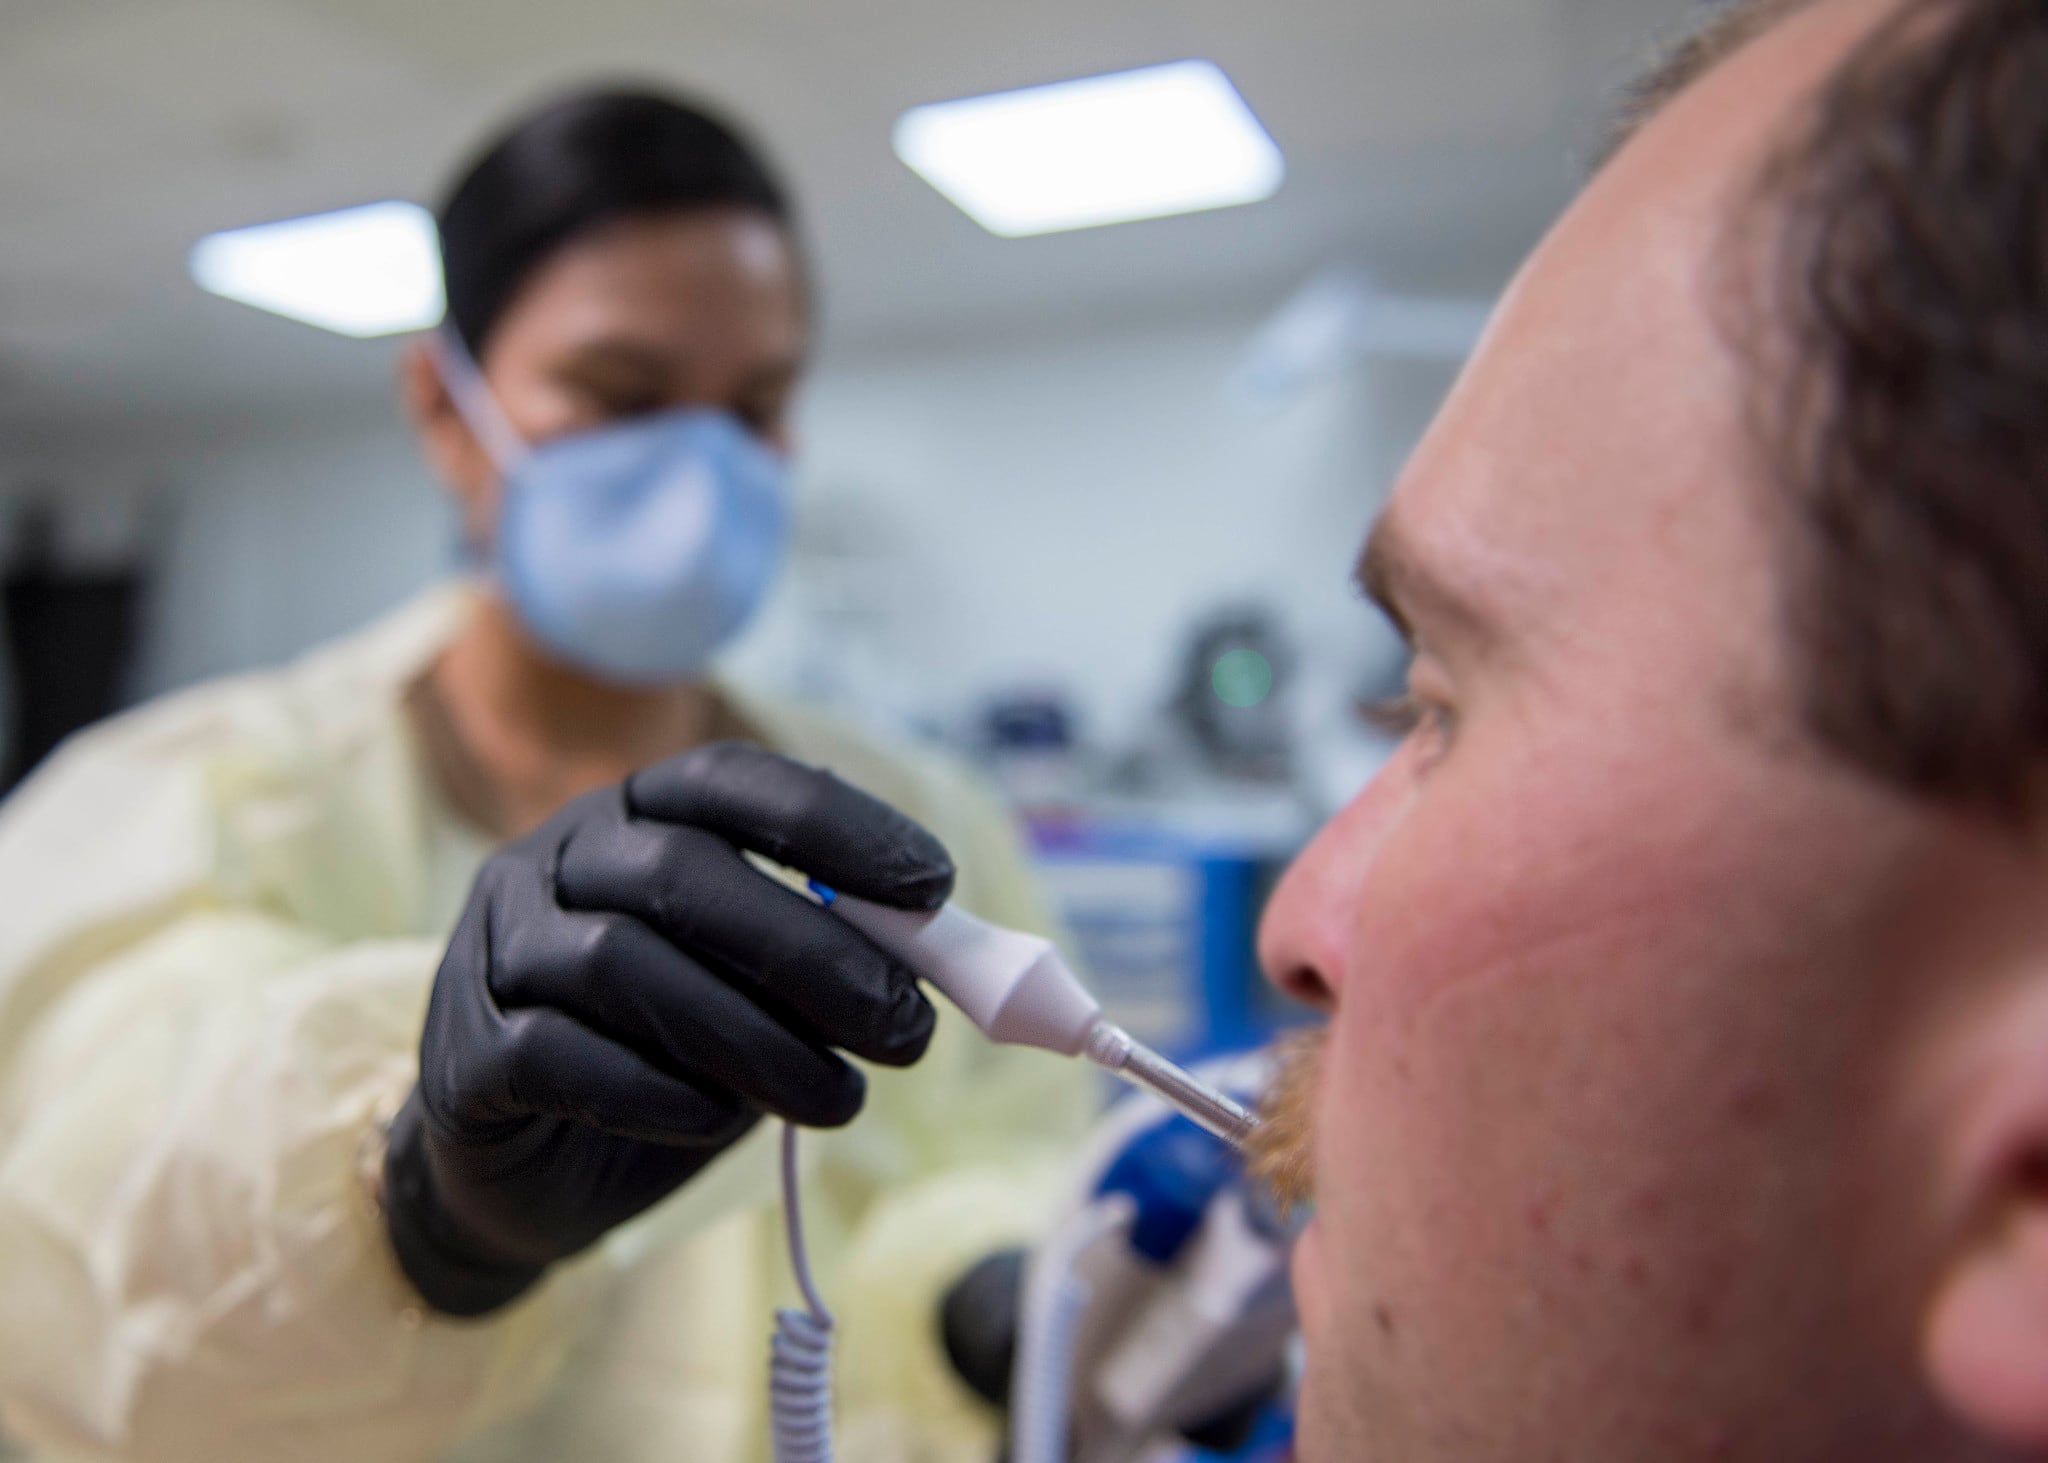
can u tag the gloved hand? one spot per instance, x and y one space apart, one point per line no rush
624 996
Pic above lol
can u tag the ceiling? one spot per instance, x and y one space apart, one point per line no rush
1428 141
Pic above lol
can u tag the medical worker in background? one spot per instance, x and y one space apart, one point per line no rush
230 1228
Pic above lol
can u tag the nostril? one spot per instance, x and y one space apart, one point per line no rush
1306 984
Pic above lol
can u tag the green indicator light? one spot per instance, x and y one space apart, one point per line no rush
1241 677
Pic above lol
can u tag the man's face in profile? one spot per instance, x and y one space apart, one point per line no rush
1621 1131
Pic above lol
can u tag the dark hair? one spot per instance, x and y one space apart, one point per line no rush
1893 259
1725 30
573 165
1904 297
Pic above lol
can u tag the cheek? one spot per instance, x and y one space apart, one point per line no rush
1563 869
1550 1056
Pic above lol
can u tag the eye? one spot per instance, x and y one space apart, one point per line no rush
605 389
1393 716
1410 717
621 405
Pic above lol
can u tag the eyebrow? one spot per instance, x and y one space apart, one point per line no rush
614 352
621 352
1392 576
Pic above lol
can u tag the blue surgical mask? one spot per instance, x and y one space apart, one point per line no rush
632 551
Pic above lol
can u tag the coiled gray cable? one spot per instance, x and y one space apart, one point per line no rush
800 1358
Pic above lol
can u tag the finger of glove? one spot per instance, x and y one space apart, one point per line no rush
699 893
485 1073
800 816
620 979
549 1065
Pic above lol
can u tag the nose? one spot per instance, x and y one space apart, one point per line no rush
1295 944
1304 934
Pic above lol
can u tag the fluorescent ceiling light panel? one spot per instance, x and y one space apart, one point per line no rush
1104 150
373 270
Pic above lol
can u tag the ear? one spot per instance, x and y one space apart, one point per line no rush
1986 1338
450 447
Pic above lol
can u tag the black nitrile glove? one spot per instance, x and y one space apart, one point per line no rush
624 997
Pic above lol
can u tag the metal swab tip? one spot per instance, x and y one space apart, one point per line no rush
1116 1050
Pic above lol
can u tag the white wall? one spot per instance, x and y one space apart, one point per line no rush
1059 513
264 536
1050 514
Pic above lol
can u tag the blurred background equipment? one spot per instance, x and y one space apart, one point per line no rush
72 627
1231 701
1152 1320
1338 320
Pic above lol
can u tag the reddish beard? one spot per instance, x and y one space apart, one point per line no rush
1281 1154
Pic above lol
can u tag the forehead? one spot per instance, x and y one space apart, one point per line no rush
1597 442
716 272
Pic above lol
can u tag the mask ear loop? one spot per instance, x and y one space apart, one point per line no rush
473 400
